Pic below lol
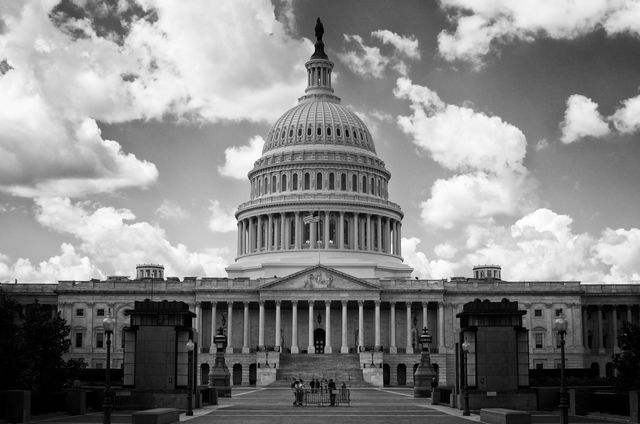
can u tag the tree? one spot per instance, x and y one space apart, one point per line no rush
627 362
32 345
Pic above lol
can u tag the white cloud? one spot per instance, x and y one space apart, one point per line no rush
480 26
192 63
406 46
582 119
114 243
540 246
222 220
238 161
170 210
626 118
422 266
367 60
445 251
487 153
363 60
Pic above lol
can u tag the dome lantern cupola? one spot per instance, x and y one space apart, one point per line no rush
319 69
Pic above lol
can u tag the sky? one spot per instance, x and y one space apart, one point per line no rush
511 129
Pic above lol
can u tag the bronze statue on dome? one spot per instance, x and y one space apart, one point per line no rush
319 30
319 45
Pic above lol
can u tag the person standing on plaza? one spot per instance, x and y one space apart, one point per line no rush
332 392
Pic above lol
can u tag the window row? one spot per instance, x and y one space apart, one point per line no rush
349 133
319 181
100 312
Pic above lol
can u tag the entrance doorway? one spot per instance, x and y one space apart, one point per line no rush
318 340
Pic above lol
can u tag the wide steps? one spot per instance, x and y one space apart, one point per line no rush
336 366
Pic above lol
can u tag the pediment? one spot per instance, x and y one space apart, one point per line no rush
319 278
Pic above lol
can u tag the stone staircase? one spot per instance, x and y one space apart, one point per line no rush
339 367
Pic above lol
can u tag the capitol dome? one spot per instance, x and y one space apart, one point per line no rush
319 193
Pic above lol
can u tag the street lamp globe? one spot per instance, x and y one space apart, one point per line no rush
108 324
425 339
560 324
466 346
190 345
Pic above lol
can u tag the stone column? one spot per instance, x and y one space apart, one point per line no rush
327 218
294 327
252 236
585 330
377 325
284 243
549 340
369 233
199 323
269 232
229 327
355 231
345 344
313 231
379 233
341 232
261 324
327 319
387 236
214 324
614 329
629 316
311 348
600 338
392 328
245 328
360 323
425 315
259 238
441 341
409 344
277 336
239 247
298 236
399 238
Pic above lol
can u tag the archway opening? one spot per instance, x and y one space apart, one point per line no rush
237 374
319 340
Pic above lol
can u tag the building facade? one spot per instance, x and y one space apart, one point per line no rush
319 271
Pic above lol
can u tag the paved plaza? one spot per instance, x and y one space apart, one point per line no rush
275 405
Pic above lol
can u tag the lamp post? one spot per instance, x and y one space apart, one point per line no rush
220 377
190 378
560 325
107 324
465 383
424 373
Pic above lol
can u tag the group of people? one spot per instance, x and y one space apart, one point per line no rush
315 386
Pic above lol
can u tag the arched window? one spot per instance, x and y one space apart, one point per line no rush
346 133
299 132
355 135
259 186
319 131
332 182
338 132
329 131
274 184
379 188
343 182
283 183
373 185
309 131
294 182
284 133
364 184
291 132
307 181
266 185
354 183
319 181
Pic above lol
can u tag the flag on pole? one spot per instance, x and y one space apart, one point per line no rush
308 219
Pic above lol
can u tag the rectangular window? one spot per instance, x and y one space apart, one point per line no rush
537 313
99 365
539 340
79 312
78 340
539 364
99 340
100 312
559 312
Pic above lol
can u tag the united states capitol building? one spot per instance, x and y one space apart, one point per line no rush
319 273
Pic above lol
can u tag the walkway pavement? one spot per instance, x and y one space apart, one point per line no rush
275 405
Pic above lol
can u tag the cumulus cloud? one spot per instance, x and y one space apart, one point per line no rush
626 118
171 211
480 26
238 161
369 61
582 119
110 241
422 266
222 219
486 152
73 64
539 246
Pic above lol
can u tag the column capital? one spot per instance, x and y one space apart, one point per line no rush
344 302
261 303
278 302
425 304
360 303
392 303
377 302
198 303
294 303
246 303
327 303
230 303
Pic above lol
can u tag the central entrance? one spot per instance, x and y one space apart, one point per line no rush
319 340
